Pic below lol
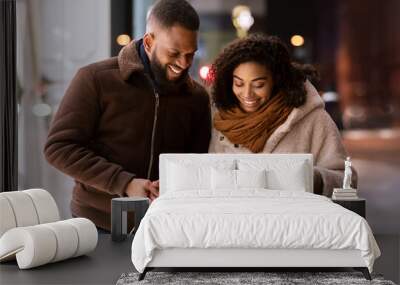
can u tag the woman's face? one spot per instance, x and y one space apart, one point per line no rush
252 85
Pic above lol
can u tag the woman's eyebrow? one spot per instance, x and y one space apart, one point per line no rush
259 78
255 79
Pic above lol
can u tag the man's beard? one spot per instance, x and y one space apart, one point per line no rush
160 76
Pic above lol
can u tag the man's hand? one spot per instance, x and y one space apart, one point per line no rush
142 188
155 184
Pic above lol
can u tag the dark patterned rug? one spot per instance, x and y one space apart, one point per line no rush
243 278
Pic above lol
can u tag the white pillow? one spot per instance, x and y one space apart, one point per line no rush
293 180
282 174
251 178
188 175
223 179
181 177
236 179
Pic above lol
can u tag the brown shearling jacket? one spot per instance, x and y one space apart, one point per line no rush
111 127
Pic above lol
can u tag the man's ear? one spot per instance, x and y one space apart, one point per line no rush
148 41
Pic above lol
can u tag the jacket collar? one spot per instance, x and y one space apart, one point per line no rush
129 60
313 102
144 58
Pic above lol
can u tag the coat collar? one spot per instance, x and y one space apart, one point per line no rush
129 61
313 102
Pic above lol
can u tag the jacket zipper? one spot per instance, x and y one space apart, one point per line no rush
153 134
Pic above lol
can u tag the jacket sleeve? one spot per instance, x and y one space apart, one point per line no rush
72 130
213 147
201 130
329 155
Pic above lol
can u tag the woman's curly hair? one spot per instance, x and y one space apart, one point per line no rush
269 51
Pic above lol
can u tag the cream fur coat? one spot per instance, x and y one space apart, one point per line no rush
308 129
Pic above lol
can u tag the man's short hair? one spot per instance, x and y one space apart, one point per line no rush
175 12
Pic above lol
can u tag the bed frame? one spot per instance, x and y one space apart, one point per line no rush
249 259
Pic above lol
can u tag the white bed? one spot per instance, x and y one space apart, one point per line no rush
222 210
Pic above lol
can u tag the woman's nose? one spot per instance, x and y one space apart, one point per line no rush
248 93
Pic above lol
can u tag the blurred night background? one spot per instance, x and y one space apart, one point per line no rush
354 44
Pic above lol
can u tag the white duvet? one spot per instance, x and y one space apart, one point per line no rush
250 219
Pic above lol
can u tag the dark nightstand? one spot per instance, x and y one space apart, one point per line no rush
355 205
119 209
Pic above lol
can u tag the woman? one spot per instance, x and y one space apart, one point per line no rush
265 104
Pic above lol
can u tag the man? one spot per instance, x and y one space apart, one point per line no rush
118 115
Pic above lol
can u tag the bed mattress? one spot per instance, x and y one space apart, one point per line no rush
250 219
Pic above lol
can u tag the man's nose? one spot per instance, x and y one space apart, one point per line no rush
184 62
